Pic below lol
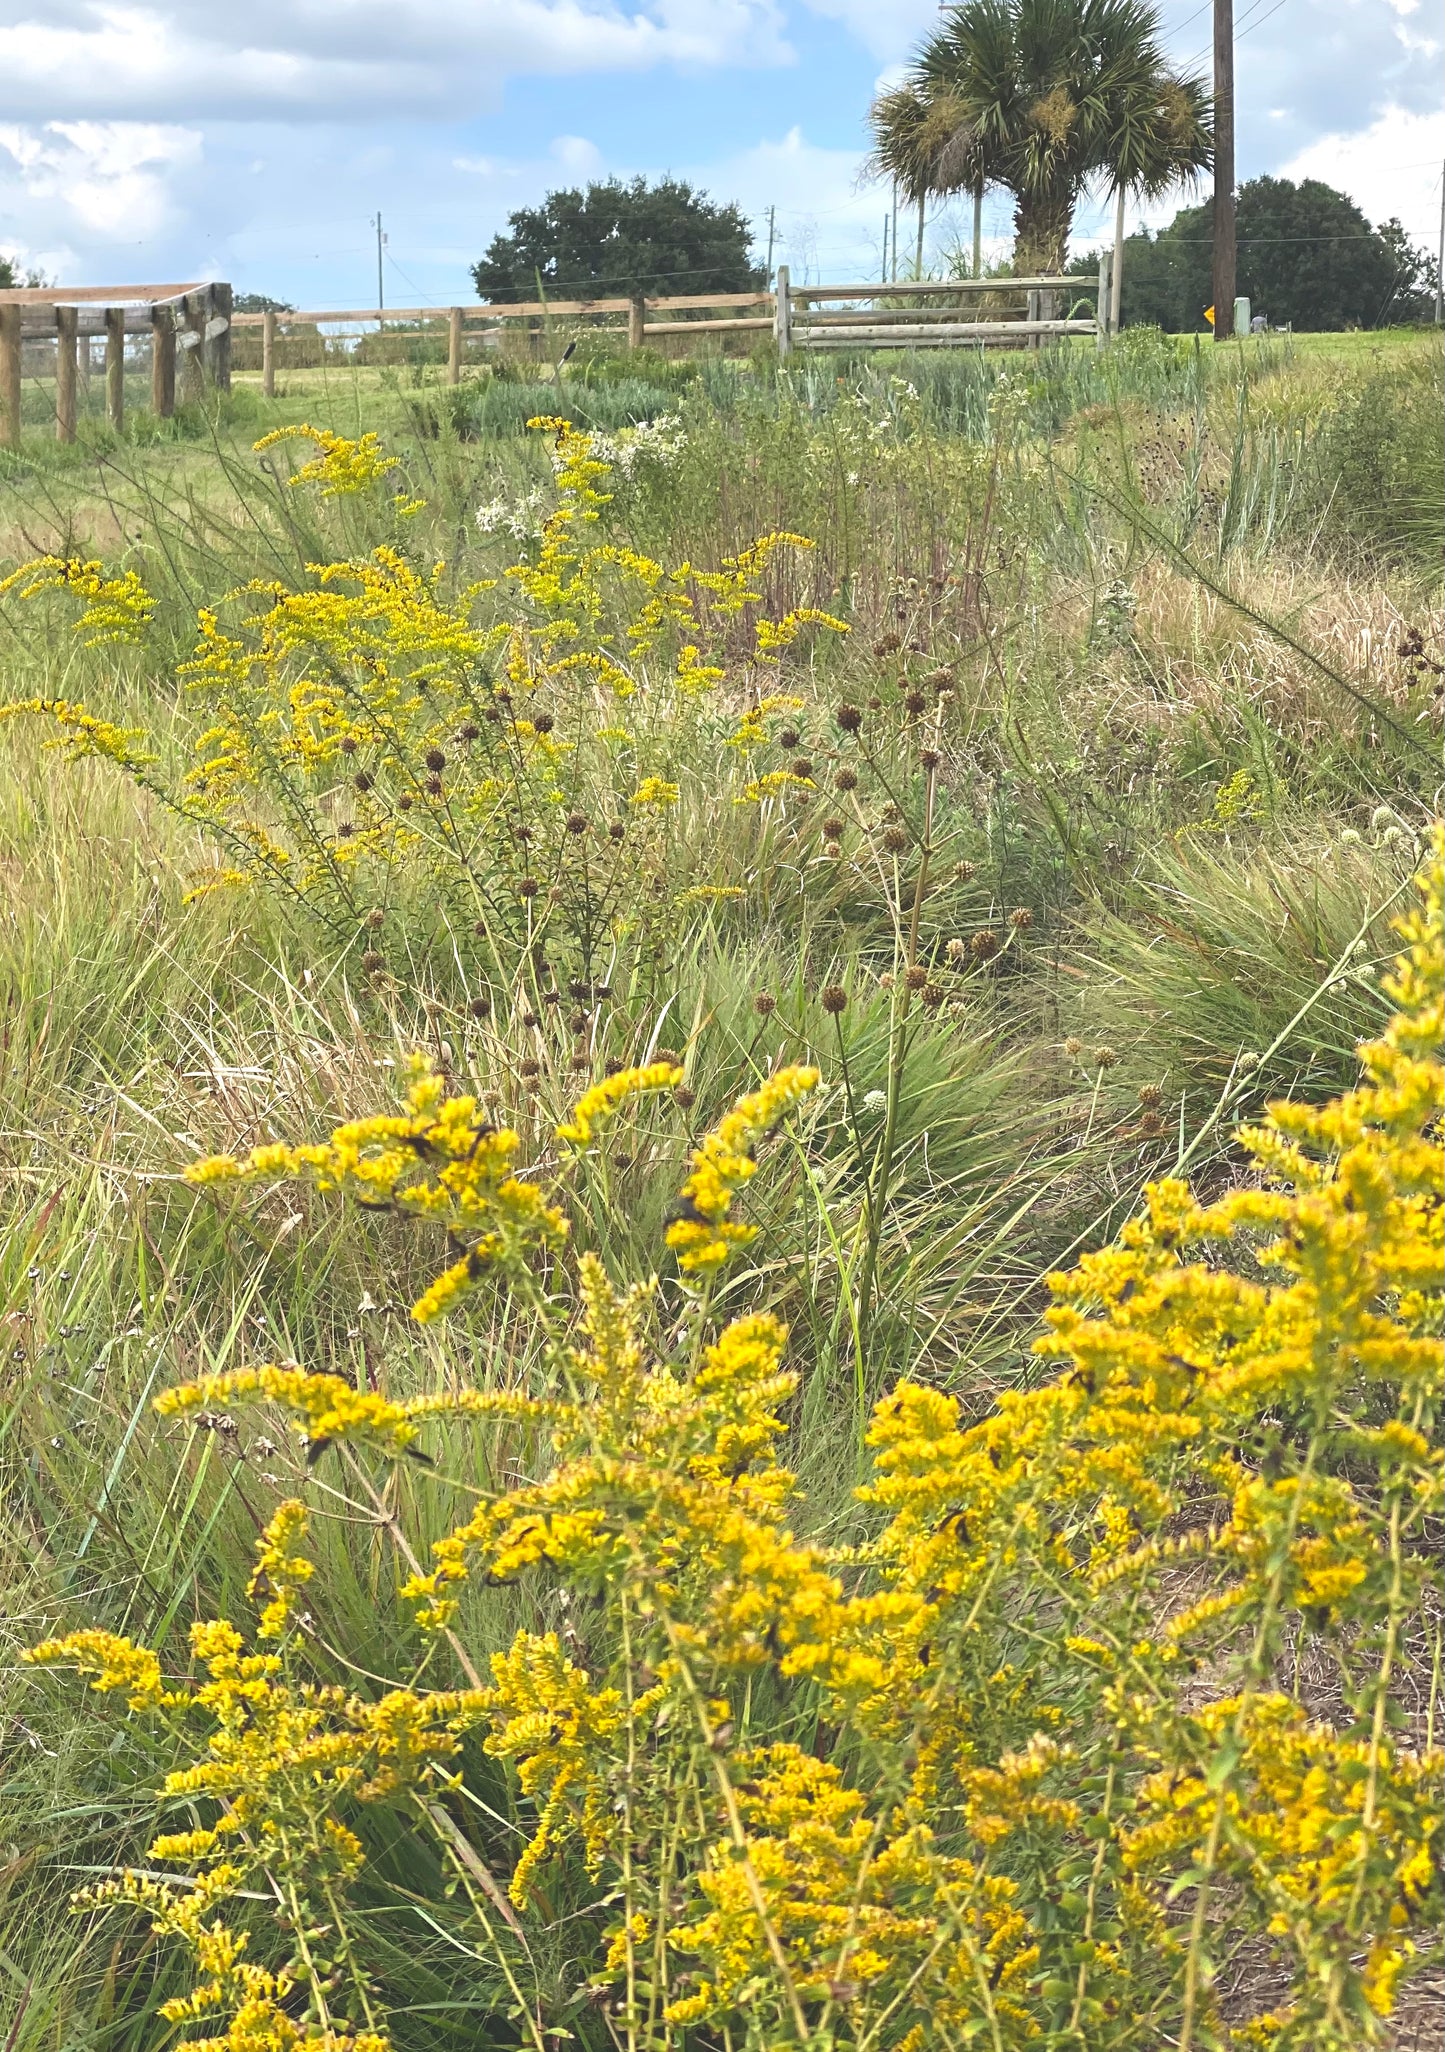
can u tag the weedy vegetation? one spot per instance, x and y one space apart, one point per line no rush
723 1239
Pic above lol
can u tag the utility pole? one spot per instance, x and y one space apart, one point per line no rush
380 280
1440 260
895 231
1116 276
1223 170
978 230
772 212
884 279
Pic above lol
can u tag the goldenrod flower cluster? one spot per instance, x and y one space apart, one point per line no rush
440 1160
117 609
340 467
706 1234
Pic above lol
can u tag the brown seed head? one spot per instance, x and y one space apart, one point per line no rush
543 723
617 831
530 1067
434 787
376 917
669 1055
846 779
1073 1047
801 766
530 1019
405 802
887 644
582 992
789 738
1105 1057
371 961
577 1022
1150 1095
1021 919
362 781
885 981
613 1067
832 828
469 731
479 928
965 871
930 758
765 1003
436 762
345 828
480 1008
984 944
581 1060
684 1098
528 887
832 849
875 703
916 977
895 839
433 1007
835 999
940 678
933 995
956 950
577 822
914 702
849 718
347 745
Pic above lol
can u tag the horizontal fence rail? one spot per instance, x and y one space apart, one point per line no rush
191 325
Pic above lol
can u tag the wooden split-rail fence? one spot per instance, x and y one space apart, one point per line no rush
188 325
192 326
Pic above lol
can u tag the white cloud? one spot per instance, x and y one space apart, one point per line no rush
83 182
346 59
1390 168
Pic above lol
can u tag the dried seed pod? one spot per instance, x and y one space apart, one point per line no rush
434 787
480 1008
915 703
1021 919
895 839
577 822
347 745
930 758
789 738
361 781
933 995
543 723
846 779
956 950
835 999
801 766
436 762
849 718
528 887
371 961
915 977
985 944
376 917
684 1098
765 1003
1105 1057
1150 1095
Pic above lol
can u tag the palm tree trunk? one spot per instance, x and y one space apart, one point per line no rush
1041 233
1041 241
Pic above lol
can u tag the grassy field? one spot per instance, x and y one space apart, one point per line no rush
1047 781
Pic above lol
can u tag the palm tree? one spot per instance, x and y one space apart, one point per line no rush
1041 97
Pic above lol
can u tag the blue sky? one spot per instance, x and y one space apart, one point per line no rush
173 139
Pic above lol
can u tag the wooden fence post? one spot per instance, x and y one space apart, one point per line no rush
636 321
163 362
67 323
10 375
1033 314
218 336
268 354
115 366
454 346
191 342
783 316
